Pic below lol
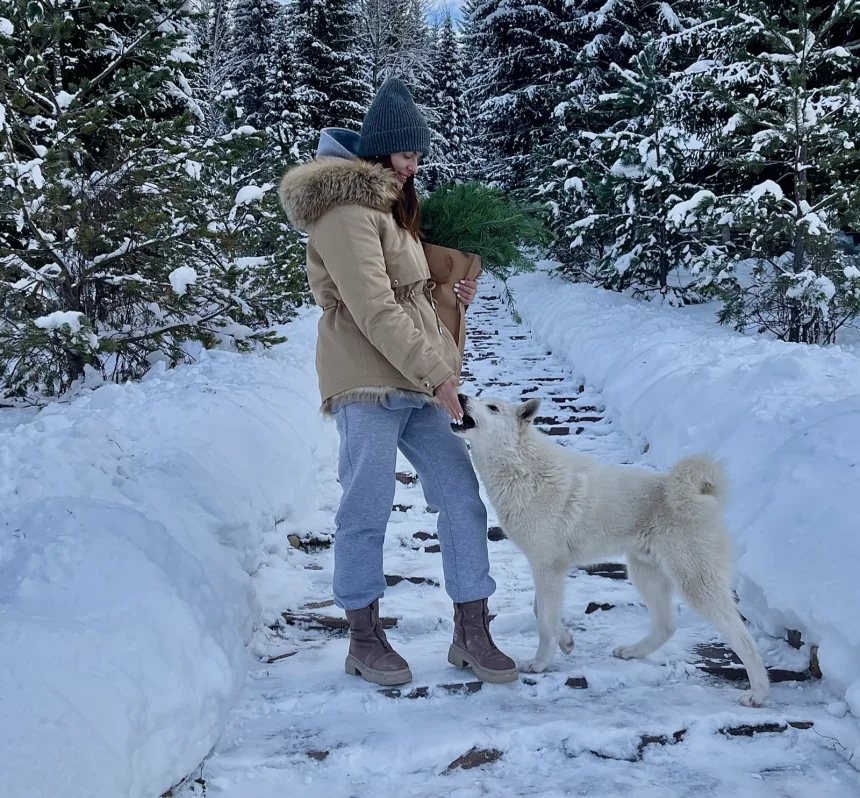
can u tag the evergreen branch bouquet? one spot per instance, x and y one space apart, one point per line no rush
478 219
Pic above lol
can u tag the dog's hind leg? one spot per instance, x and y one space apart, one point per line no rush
549 597
714 602
655 587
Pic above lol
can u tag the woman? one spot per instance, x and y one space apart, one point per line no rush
388 372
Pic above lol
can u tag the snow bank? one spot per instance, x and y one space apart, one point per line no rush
131 521
786 420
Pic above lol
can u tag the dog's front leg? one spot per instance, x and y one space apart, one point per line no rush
549 596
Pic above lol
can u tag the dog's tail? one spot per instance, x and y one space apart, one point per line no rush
695 483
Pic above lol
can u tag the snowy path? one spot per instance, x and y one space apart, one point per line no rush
594 726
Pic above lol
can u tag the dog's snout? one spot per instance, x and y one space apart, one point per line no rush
463 400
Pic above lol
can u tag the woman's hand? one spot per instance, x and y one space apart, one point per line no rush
466 291
446 393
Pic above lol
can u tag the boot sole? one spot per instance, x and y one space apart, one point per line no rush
462 659
384 678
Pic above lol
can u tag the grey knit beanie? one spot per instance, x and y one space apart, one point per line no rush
393 123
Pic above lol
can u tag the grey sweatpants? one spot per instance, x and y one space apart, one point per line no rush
370 435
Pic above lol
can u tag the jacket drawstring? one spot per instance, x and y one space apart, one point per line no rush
428 291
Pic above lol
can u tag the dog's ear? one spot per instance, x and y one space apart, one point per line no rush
528 410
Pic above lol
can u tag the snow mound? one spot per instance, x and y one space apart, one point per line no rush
133 518
784 418
181 278
59 318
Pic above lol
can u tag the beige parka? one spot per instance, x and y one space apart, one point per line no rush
379 332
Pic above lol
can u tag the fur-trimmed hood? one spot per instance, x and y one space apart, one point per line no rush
310 190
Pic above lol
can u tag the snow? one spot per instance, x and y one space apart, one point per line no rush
193 168
250 194
6 27
144 567
181 278
303 727
785 419
681 213
59 318
766 187
64 99
252 262
133 517
180 56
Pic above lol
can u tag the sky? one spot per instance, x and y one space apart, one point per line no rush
452 5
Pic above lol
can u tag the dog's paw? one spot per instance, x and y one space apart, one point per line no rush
532 666
626 652
752 700
565 642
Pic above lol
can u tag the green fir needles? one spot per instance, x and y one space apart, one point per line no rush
474 218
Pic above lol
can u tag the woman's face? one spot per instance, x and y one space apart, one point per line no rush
405 165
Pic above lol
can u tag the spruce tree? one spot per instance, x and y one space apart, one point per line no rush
286 115
448 159
253 29
333 86
213 81
394 40
522 57
623 155
786 79
111 255
646 181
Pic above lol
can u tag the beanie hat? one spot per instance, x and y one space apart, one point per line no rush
393 123
337 142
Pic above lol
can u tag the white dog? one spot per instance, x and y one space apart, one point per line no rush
563 509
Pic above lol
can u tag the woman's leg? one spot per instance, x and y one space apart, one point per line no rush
368 457
367 462
450 485
449 482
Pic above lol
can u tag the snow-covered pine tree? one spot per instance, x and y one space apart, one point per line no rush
448 161
101 270
564 171
247 263
212 81
652 247
521 57
253 22
421 64
473 40
623 156
286 114
786 78
394 40
333 87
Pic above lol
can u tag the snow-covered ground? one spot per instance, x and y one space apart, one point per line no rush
132 519
146 537
593 726
786 420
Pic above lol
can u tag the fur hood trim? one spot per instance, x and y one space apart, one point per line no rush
310 190
371 393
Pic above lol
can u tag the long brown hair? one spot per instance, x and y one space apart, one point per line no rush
407 209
